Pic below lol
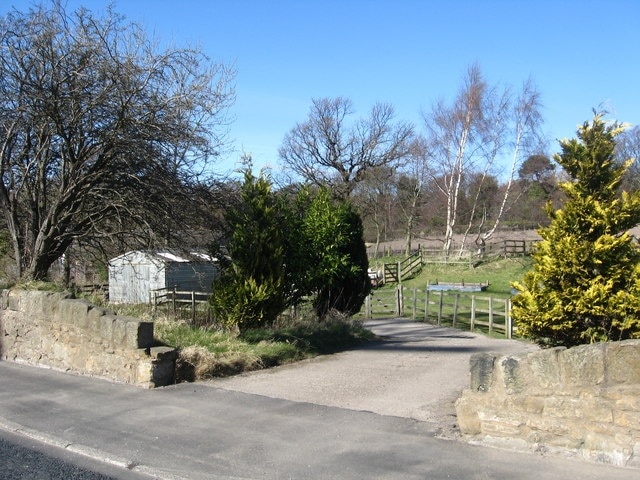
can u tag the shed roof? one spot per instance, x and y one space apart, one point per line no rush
168 256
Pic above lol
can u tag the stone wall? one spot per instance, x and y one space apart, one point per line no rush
583 400
50 329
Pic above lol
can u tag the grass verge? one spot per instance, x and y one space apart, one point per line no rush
206 353
210 352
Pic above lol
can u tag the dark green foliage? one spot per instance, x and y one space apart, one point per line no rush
585 283
282 251
251 291
337 256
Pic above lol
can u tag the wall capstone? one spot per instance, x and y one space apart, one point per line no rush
583 401
53 330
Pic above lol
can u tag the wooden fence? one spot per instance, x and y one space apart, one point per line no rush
509 248
99 289
465 257
396 272
176 297
458 310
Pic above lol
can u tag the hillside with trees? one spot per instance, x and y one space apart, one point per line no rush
110 143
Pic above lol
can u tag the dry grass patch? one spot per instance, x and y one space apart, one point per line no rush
206 353
197 363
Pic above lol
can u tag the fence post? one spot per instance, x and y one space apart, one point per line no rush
415 303
399 273
193 307
426 304
473 312
490 314
440 308
367 307
508 321
455 309
399 300
174 301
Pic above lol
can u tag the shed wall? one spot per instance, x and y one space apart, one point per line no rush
198 277
135 275
132 278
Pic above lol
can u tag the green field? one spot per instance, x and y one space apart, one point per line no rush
499 273
454 308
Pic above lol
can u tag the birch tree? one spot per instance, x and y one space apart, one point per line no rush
521 131
455 134
516 135
483 126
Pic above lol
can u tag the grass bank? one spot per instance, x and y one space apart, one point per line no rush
208 352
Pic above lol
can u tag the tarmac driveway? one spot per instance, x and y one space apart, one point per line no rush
417 372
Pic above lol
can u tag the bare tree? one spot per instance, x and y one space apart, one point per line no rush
411 189
328 150
99 131
455 136
628 146
373 197
469 138
517 134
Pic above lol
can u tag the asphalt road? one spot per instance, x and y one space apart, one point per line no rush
204 431
417 372
25 458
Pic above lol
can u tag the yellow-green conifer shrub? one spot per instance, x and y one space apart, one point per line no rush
584 285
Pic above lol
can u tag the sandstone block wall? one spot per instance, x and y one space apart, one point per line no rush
584 400
50 329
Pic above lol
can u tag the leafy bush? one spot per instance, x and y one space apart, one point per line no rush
251 291
282 251
241 302
585 282
337 256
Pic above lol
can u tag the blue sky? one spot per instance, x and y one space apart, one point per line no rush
409 53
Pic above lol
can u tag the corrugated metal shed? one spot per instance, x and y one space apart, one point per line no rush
134 275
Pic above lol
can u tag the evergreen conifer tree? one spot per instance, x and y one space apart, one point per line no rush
336 255
251 292
585 282
282 251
